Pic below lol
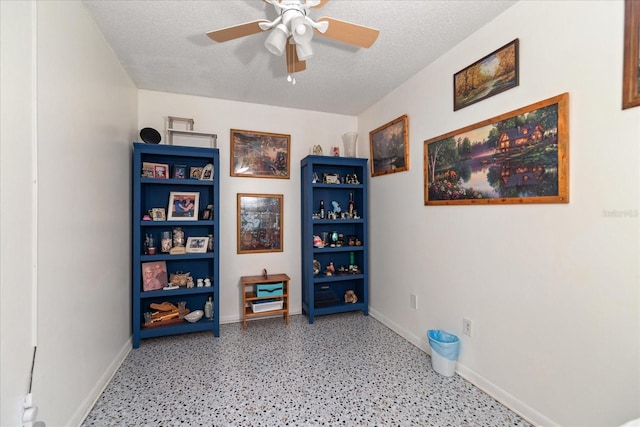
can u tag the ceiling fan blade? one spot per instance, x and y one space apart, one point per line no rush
347 32
236 31
294 65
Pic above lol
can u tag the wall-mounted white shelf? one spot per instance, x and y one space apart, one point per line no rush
189 132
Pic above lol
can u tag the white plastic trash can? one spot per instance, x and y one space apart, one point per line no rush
444 351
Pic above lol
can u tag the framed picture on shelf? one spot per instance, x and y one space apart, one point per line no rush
194 173
183 205
259 223
495 73
158 214
148 169
259 154
631 61
389 146
518 157
207 214
160 171
179 171
154 275
197 245
207 172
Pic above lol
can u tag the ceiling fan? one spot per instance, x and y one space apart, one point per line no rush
293 29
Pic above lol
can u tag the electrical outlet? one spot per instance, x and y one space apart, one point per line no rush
466 327
414 301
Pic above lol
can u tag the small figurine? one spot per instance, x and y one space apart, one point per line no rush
336 207
316 267
350 297
317 241
190 282
330 269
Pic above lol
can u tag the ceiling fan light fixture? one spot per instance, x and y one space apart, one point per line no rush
277 40
304 51
301 31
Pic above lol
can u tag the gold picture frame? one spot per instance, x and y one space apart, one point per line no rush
259 154
488 76
259 223
518 157
631 62
389 145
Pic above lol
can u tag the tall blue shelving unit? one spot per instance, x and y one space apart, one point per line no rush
321 293
151 193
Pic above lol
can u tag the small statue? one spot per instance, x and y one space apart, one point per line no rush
350 297
336 207
330 269
190 283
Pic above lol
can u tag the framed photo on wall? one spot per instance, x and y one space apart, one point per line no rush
517 157
183 205
389 146
259 223
259 154
631 62
491 75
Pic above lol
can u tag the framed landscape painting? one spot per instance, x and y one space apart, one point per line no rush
259 154
631 64
517 157
495 73
389 146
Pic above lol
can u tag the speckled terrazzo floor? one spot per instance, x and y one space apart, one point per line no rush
345 369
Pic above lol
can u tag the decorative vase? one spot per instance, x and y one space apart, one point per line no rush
349 139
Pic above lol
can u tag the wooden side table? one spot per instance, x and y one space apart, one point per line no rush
248 288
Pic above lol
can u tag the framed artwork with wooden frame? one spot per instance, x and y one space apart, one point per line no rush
259 223
488 76
631 65
389 145
518 157
259 154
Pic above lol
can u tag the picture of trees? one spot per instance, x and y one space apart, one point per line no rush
489 76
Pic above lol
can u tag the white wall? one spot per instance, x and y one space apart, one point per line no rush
555 328
84 116
552 290
16 230
307 128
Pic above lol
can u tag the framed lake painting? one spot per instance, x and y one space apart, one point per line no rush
517 157
389 146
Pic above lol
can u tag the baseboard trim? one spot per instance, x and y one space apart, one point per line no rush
95 393
532 416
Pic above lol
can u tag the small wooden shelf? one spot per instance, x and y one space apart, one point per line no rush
248 290
189 132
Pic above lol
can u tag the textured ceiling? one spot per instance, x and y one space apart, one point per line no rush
163 47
